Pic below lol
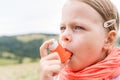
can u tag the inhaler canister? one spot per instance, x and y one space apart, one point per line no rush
56 47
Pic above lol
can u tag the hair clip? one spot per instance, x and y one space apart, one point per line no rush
109 23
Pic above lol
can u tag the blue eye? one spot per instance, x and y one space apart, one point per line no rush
62 28
78 28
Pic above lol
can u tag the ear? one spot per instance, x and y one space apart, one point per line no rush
110 39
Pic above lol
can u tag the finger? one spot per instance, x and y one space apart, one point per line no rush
53 56
43 48
47 66
43 63
51 59
54 69
52 62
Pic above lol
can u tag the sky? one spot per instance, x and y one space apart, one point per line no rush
32 16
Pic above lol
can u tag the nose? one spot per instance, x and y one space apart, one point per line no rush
66 36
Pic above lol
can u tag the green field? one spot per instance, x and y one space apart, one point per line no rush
26 71
7 62
19 56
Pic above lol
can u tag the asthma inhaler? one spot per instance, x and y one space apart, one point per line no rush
56 47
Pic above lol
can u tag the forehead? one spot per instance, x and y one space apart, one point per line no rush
78 9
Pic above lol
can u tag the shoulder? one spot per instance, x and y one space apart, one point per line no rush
117 78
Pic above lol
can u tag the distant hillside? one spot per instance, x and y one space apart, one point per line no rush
22 46
30 37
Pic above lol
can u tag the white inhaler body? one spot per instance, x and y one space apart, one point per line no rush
64 54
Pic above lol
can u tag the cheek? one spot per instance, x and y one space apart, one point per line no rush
89 41
87 50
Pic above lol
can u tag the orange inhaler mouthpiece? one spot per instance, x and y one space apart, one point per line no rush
56 47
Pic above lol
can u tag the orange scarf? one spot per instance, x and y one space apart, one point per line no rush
106 69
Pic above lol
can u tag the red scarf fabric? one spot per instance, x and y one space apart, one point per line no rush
106 69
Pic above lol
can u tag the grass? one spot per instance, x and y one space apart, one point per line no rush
27 38
4 61
26 71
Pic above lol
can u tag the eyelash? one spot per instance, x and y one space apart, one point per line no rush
62 28
73 28
78 28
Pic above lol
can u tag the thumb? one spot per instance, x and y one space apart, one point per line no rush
53 55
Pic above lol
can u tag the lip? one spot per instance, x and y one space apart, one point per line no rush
69 51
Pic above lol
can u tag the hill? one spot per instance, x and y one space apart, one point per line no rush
22 47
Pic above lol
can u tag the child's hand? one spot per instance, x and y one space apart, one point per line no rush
50 65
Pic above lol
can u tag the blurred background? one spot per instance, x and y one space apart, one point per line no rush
24 26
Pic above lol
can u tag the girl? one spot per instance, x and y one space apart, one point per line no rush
88 30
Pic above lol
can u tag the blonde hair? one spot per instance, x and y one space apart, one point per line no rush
107 10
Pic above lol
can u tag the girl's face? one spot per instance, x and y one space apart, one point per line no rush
82 33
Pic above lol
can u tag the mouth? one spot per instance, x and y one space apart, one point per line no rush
69 52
